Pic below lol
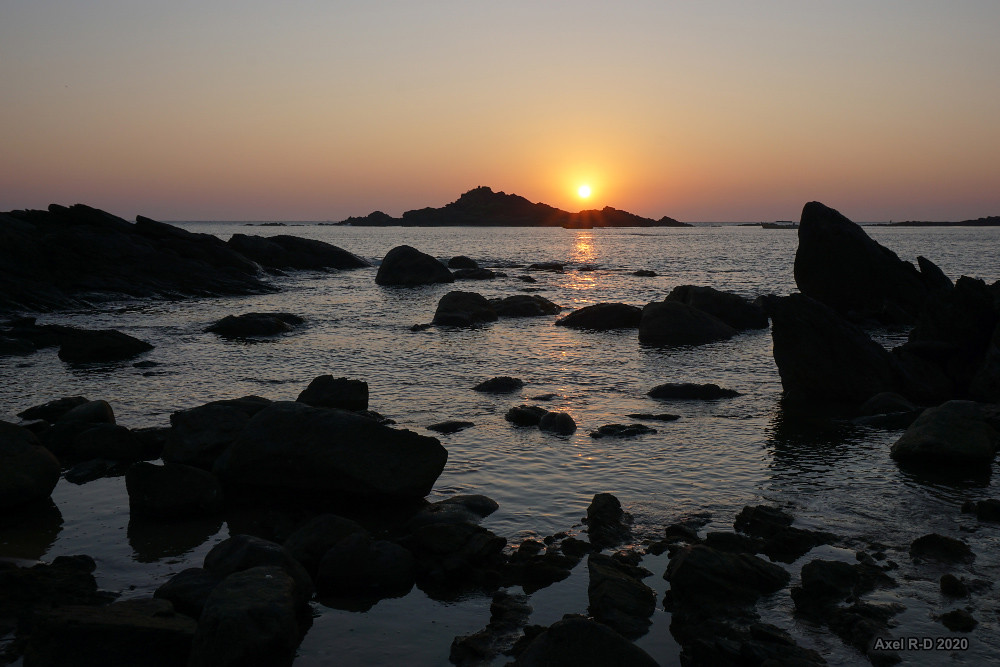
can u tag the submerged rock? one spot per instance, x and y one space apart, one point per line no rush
82 346
941 548
603 317
407 266
621 431
463 309
451 426
670 323
687 391
503 384
250 325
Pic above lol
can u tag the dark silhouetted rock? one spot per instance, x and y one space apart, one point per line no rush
199 435
297 452
617 597
552 267
359 565
524 305
702 575
132 632
933 277
607 522
84 346
242 552
468 509
675 323
408 266
762 520
602 317
985 384
827 581
107 441
475 274
838 264
250 325
955 433
525 415
953 587
731 308
463 309
15 347
508 614
824 359
462 262
52 410
310 541
327 391
644 273
988 510
60 438
292 252
172 491
28 471
582 642
451 556
941 548
959 620
451 426
188 590
621 431
659 417
560 423
503 384
254 617
687 391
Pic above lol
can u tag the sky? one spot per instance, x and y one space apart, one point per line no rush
320 110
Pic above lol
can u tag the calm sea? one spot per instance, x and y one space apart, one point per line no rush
716 458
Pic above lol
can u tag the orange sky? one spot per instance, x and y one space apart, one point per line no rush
723 111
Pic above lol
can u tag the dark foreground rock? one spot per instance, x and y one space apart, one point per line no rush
670 323
67 256
688 391
361 566
28 471
607 522
199 435
292 252
617 597
52 410
700 575
171 492
327 391
941 548
188 590
82 346
603 317
243 552
407 266
953 434
508 614
463 309
297 452
584 643
310 541
250 325
731 308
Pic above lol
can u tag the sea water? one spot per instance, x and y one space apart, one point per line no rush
716 458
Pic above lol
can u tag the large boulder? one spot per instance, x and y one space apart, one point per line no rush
199 435
359 565
188 590
292 252
53 410
407 266
61 437
731 308
676 323
243 552
524 305
28 471
838 264
955 433
618 597
84 346
822 358
607 522
603 316
702 575
311 454
327 391
463 309
172 491
310 541
582 642
250 325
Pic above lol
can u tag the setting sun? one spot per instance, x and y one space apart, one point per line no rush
583 191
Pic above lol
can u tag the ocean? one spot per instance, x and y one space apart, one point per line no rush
718 457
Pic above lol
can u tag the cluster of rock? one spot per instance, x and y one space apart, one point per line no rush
23 336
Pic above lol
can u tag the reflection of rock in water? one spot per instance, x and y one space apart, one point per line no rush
153 540
30 531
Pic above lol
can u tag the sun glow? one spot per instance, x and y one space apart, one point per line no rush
583 191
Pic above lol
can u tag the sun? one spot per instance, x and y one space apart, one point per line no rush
583 191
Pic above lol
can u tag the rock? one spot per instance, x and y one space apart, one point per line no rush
133 632
941 548
955 433
172 491
553 267
503 384
932 276
475 274
326 391
887 402
826 582
254 617
463 309
451 556
953 587
988 510
985 384
762 521
88 471
534 566
618 598
188 590
251 325
297 452
602 317
525 415
199 435
607 522
100 346
584 643
292 252
838 264
29 592
359 565
107 441
52 410
60 438
408 266
700 575
508 614
560 423
676 323
243 552
28 471
644 273
524 305
781 541
731 308
462 262
451 426
15 347
310 541
733 542
621 431
660 417
687 391
959 620
824 359
91 412
457 509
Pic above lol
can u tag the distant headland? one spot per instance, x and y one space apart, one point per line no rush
482 207
991 221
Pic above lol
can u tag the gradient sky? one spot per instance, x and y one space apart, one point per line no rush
317 110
